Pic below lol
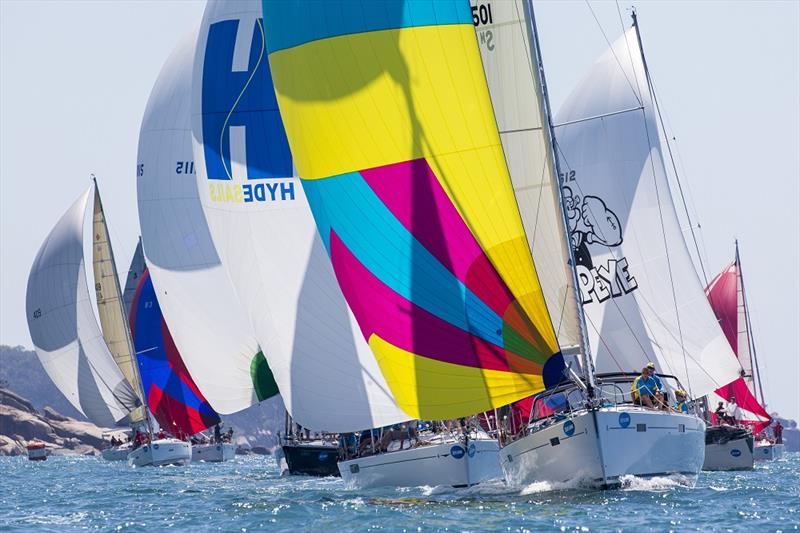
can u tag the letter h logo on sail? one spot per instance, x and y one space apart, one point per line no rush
243 134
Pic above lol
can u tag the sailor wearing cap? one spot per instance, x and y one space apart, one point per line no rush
680 396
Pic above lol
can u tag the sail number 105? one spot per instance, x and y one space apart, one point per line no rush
482 14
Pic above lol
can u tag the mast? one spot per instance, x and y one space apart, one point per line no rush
750 341
116 299
538 68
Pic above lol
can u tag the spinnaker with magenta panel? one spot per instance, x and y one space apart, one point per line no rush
392 131
264 234
731 444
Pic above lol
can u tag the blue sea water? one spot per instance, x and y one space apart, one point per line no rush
86 493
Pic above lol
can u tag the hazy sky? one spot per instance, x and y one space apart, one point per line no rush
75 77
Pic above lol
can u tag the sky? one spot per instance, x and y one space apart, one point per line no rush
75 78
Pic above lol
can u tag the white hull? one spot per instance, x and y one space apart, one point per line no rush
732 455
768 452
631 441
116 453
161 452
447 463
213 453
37 454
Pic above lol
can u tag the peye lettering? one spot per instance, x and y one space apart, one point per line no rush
593 226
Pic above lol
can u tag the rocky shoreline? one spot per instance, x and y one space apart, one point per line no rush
21 423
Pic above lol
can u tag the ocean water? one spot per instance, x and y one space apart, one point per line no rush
86 493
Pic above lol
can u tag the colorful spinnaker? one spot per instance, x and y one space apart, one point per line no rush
172 396
726 296
642 297
264 233
393 134
207 322
64 329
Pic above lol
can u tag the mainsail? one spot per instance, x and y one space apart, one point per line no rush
641 294
64 329
135 271
502 30
266 238
208 324
726 296
392 131
113 318
172 396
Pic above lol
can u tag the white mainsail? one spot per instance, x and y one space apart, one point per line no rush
135 272
266 236
206 320
503 38
64 329
113 316
642 297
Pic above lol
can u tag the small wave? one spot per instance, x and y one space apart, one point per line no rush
487 488
538 487
659 483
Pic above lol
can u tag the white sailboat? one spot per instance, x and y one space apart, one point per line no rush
117 335
64 330
92 366
641 298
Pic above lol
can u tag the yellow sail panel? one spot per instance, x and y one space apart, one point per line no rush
113 321
392 131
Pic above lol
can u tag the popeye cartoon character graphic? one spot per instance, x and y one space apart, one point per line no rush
590 222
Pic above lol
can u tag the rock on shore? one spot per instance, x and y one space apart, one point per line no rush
20 424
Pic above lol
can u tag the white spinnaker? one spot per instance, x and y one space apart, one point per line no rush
64 329
327 375
205 318
642 297
503 40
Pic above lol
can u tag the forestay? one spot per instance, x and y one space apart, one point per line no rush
641 294
391 126
265 235
64 329
504 42
207 322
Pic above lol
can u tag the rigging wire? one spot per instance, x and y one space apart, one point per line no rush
657 106
608 42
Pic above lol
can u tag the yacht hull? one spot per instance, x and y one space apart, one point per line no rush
116 453
306 459
448 463
161 452
598 448
724 453
213 453
768 452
